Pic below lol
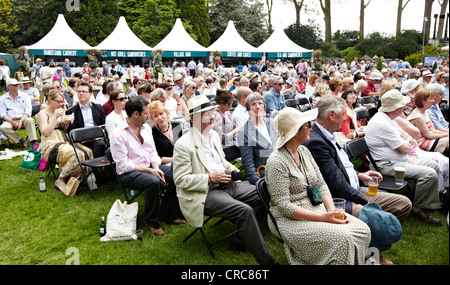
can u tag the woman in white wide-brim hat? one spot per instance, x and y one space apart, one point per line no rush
302 204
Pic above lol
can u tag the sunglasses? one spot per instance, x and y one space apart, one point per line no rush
123 98
58 101
170 88
308 125
279 84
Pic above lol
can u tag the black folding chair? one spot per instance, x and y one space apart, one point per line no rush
362 114
291 103
368 99
263 193
303 104
209 244
357 148
99 165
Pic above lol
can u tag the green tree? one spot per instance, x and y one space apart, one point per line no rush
345 39
307 36
194 13
156 20
8 25
350 53
329 50
374 44
95 21
248 18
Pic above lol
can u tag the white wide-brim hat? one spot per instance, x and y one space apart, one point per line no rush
289 120
392 100
199 104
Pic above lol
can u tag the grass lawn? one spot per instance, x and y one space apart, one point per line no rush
40 228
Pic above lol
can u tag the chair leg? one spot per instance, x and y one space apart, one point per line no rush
208 245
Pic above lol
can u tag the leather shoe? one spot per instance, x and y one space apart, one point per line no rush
237 244
424 216
155 231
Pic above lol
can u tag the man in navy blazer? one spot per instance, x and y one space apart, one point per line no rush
337 169
88 114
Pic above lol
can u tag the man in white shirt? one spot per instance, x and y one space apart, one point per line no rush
390 146
30 91
240 114
46 74
15 111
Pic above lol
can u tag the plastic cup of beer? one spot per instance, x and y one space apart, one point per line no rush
399 174
373 186
339 203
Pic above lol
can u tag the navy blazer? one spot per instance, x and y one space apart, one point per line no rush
255 148
332 169
98 115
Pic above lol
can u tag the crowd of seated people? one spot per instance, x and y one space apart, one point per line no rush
169 137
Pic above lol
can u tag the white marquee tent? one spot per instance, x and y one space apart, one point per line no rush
178 43
60 41
122 42
231 44
279 45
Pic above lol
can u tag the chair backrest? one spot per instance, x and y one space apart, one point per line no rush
35 109
288 96
235 103
357 147
368 99
362 114
263 193
86 133
291 103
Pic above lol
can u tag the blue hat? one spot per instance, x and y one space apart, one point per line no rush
384 227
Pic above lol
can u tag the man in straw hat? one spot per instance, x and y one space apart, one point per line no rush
205 187
390 146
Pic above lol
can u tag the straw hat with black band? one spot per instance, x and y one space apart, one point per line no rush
199 104
392 100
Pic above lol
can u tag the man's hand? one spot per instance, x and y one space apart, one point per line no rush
366 176
158 173
219 177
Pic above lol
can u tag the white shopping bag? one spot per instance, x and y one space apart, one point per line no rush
121 222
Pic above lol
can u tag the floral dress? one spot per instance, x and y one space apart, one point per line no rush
310 242
57 148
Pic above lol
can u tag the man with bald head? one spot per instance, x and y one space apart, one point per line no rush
240 114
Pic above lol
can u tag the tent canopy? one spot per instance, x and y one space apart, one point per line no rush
231 44
178 43
279 45
122 42
60 41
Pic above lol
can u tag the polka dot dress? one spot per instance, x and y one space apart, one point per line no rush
309 242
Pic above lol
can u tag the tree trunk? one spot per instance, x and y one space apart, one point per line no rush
398 30
427 24
442 19
326 9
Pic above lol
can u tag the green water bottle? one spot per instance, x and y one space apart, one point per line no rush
102 227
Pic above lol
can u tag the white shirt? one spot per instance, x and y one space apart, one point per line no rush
214 161
240 115
113 120
383 137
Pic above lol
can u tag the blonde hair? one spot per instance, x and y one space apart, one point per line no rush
388 85
320 88
156 107
188 84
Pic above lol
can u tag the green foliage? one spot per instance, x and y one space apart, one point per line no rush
416 58
345 39
156 20
329 50
8 25
373 44
350 53
194 13
307 36
248 19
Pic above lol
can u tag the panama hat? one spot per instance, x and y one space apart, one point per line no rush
12 81
376 75
411 84
393 100
384 227
427 73
289 120
199 104
26 79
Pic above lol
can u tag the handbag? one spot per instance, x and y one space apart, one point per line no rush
31 159
121 222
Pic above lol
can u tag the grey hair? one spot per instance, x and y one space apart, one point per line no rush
330 103
436 88
274 79
254 96
158 92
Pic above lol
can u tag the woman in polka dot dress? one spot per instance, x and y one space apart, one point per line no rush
311 233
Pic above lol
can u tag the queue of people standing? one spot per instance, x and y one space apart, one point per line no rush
170 136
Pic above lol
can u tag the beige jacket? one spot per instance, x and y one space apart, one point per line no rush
191 172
